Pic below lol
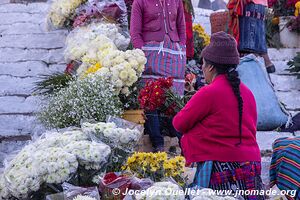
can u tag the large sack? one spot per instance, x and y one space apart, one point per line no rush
271 113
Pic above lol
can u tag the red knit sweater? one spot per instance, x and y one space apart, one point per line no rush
210 125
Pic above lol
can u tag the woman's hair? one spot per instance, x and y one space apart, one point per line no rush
234 80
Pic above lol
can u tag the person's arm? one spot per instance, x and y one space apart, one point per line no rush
136 22
180 23
194 111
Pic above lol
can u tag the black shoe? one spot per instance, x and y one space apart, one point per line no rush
271 69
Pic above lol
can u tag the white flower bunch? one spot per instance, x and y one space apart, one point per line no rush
125 68
55 165
208 194
90 155
32 167
60 10
80 197
4 193
115 136
93 97
83 45
52 159
111 31
162 190
89 43
60 139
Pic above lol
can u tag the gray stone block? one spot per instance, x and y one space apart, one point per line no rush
14 85
265 139
20 55
34 41
290 99
23 8
285 83
282 54
11 18
27 68
13 125
19 105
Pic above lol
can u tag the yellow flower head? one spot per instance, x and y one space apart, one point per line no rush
297 9
92 69
201 32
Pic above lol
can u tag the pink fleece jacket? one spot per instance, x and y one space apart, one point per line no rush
210 125
147 21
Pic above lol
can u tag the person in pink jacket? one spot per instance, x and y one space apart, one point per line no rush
219 124
158 28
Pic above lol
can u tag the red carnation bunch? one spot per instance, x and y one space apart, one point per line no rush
157 95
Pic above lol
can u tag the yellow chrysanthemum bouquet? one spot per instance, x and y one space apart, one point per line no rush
156 166
201 40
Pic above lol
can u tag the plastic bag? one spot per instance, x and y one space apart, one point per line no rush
72 191
53 158
140 184
271 113
58 196
112 11
162 190
114 186
116 132
121 123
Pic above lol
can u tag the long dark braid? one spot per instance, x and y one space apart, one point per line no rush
234 80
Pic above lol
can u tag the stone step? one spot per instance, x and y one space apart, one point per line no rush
11 18
281 67
34 41
29 68
18 55
20 104
14 125
291 99
202 18
24 8
14 85
285 82
27 28
283 54
265 139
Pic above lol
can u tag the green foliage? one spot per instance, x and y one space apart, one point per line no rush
198 46
48 84
294 65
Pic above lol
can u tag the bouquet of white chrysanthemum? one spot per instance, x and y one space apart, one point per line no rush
91 98
88 43
53 159
162 190
112 135
61 11
83 45
121 140
89 154
125 68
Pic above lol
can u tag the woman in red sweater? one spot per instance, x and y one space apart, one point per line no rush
219 124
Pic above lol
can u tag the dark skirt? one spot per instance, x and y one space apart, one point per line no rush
230 176
253 30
